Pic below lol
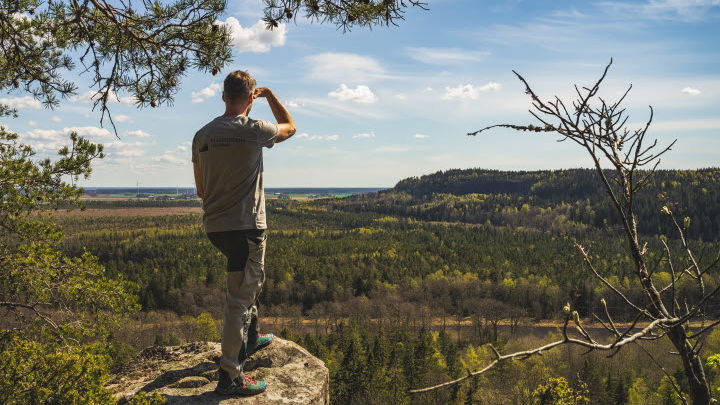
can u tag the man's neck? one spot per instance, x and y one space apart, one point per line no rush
235 110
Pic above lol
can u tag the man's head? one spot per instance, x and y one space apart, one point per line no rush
238 88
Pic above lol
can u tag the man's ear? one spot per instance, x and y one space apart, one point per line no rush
223 97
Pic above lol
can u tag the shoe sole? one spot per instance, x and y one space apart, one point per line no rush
239 394
258 348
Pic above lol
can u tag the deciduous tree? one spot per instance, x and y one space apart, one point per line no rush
600 128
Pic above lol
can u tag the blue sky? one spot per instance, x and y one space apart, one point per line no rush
375 106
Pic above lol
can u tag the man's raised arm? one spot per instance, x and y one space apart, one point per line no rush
286 126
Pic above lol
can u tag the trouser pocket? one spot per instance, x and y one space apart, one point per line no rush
255 265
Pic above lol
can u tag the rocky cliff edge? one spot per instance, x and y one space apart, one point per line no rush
187 375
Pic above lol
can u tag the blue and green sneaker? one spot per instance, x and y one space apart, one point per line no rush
241 386
263 340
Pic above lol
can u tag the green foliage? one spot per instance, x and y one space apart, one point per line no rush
143 49
57 309
562 201
205 328
713 361
591 375
376 365
166 339
666 394
345 14
639 393
33 373
28 184
333 264
557 391
37 277
379 367
713 366
318 256
120 354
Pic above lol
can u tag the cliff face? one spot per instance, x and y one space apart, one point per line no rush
188 374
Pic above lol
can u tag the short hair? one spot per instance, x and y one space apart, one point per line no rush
238 85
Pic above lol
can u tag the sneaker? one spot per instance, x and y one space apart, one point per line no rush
262 341
242 386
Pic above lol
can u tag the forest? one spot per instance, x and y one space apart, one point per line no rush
564 201
403 287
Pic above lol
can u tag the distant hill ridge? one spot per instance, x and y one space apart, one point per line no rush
560 200
565 184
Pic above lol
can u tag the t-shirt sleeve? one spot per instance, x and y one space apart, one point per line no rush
196 148
267 133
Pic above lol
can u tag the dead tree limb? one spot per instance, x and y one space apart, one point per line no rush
599 127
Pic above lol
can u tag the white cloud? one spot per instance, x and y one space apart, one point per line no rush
32 123
293 104
168 158
469 91
89 132
50 140
125 149
428 89
364 135
45 135
421 136
91 95
322 107
445 56
309 137
26 102
255 38
86 97
128 100
347 67
360 94
691 91
55 118
207 92
121 118
401 96
138 133
59 135
183 148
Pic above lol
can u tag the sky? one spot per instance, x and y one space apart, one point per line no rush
375 106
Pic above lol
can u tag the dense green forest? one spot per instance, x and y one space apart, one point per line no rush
401 288
319 256
560 200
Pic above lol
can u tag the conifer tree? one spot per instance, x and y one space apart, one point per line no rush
590 374
57 310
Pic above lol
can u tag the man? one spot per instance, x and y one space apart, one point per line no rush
228 165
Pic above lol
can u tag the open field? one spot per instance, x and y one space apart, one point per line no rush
129 212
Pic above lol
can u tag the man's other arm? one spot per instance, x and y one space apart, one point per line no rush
198 180
286 126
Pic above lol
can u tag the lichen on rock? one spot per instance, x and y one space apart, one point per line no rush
188 374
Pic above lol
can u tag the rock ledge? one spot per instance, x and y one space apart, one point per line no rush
188 374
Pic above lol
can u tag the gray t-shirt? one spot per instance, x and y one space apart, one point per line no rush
229 151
